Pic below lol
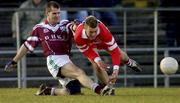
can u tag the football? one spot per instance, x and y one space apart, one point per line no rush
169 65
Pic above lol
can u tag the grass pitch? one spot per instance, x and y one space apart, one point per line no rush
123 95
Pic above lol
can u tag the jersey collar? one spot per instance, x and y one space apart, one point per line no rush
53 28
46 22
84 36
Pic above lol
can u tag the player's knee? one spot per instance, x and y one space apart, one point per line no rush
79 72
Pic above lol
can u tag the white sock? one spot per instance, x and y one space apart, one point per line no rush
93 86
52 91
130 62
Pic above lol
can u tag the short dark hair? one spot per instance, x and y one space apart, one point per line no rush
53 4
91 21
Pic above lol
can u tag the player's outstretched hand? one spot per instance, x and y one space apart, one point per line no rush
75 24
10 66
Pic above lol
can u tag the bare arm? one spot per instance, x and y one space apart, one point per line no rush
11 65
21 52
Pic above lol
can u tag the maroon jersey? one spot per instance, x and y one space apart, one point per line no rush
55 40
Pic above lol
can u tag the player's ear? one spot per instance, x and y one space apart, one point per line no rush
46 12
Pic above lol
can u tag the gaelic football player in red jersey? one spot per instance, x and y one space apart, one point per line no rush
92 35
56 38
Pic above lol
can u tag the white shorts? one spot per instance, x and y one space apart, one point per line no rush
54 63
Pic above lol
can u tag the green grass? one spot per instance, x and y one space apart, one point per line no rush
123 95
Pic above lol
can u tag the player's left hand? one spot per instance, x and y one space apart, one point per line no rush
10 66
75 23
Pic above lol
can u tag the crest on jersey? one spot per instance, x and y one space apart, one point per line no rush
63 28
45 30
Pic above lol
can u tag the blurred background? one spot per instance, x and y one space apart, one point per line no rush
147 29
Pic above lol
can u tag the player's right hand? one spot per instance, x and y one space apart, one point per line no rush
10 66
113 77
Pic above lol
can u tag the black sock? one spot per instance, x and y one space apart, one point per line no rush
47 91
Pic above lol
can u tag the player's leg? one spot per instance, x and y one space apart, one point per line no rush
72 71
74 87
130 62
101 74
71 87
61 65
60 91
47 90
54 64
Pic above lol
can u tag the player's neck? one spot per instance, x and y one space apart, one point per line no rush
51 23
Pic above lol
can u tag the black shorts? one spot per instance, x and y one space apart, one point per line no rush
59 73
74 87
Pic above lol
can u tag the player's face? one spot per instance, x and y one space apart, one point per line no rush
91 32
53 16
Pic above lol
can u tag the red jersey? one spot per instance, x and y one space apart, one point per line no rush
103 40
55 40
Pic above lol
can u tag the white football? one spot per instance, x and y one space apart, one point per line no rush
169 65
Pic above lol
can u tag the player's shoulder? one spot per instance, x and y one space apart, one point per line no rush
38 26
79 29
101 24
102 27
64 22
78 37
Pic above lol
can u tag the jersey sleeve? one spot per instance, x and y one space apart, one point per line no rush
109 40
33 40
88 52
85 48
68 26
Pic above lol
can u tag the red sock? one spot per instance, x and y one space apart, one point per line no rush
98 89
